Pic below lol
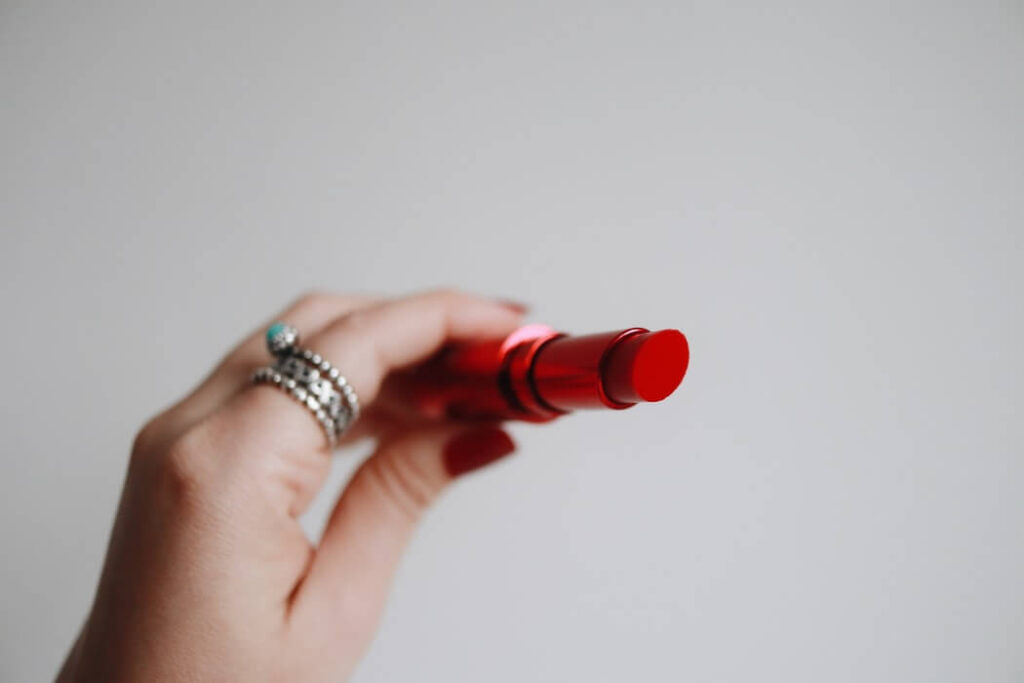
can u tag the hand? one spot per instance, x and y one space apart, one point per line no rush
209 576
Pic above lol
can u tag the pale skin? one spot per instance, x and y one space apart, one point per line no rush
208 575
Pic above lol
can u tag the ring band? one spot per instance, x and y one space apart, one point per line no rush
331 373
294 388
330 397
311 380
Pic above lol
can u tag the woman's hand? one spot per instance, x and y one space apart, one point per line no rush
209 576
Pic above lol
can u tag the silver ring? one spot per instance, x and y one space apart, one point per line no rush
300 393
311 380
331 374
329 396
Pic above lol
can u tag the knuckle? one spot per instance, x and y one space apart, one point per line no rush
400 483
356 322
185 467
446 294
154 435
312 300
357 330
147 438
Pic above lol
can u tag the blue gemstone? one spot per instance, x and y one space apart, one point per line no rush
274 330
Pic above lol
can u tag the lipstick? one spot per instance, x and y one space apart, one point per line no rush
538 374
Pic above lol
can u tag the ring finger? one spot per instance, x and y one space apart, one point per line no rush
311 312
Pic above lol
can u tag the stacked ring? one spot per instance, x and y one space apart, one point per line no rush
331 374
311 380
300 393
330 397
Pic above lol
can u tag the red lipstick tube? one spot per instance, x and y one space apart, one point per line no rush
538 374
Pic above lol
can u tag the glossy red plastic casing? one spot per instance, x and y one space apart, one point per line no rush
537 373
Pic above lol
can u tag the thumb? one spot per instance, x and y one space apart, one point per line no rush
374 519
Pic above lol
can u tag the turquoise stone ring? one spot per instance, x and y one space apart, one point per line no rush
281 339
311 380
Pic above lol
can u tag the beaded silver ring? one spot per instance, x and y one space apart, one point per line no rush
311 380
300 393
331 374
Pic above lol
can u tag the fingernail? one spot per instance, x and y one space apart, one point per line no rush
514 306
476 448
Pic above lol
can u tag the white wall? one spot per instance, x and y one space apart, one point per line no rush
828 200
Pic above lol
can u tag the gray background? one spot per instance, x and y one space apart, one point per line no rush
827 198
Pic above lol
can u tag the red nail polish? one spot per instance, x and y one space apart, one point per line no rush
476 448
